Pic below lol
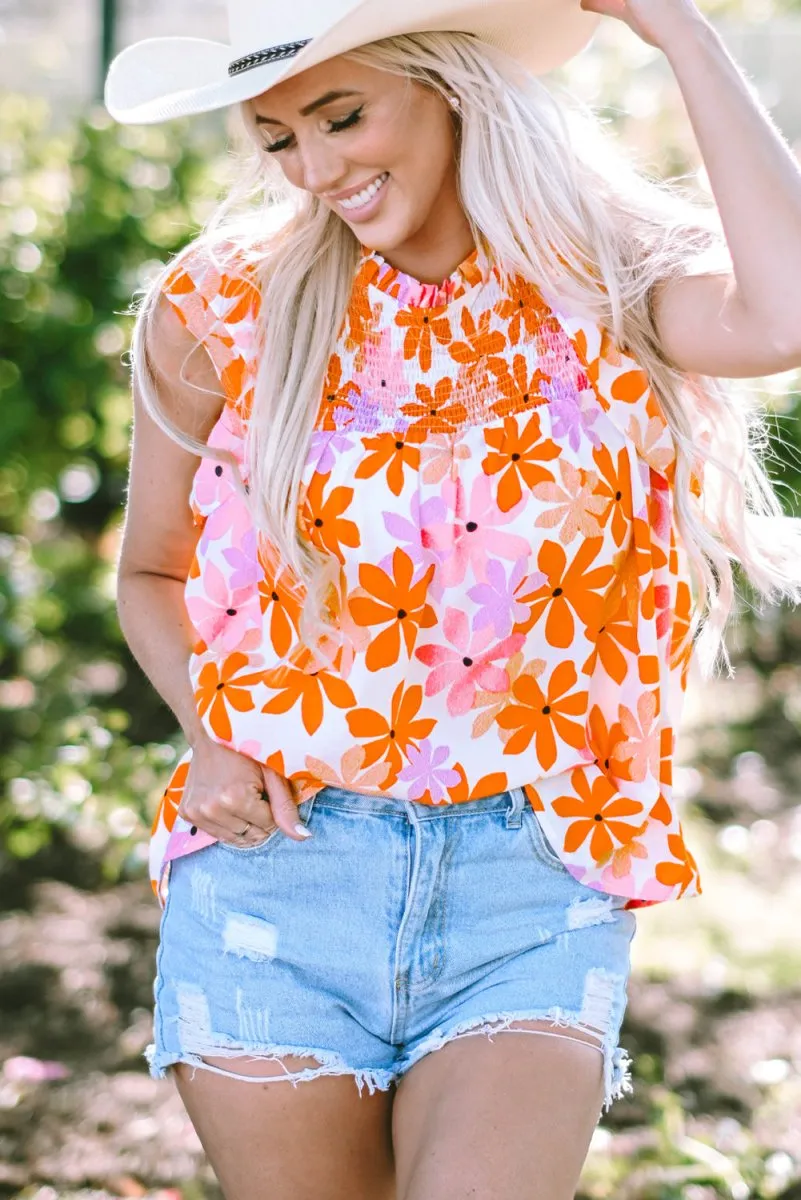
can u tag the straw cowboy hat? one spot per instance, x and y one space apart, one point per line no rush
270 40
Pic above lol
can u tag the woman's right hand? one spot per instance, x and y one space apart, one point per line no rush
224 792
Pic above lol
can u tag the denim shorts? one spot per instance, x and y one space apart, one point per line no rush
393 929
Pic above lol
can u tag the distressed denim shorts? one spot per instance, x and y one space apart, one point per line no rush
393 929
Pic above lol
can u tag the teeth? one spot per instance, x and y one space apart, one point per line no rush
362 197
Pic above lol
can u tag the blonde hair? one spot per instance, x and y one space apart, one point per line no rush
548 195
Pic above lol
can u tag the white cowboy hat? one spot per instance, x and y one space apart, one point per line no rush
270 40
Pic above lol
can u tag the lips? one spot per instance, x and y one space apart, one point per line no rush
354 191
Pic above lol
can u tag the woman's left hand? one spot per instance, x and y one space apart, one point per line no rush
657 22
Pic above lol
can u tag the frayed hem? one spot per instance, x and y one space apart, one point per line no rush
617 1063
331 1063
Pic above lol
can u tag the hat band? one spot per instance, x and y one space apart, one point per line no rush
271 54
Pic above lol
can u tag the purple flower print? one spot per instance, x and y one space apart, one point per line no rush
426 773
408 533
325 445
243 559
473 531
496 597
469 667
569 417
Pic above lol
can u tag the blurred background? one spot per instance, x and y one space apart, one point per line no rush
87 209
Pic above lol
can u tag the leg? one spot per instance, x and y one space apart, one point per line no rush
314 1140
504 1119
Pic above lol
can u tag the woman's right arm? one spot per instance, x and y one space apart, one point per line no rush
224 789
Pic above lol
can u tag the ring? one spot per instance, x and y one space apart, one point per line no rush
242 832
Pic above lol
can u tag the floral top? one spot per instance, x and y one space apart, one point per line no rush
495 479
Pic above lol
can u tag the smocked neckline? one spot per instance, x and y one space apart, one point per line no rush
374 269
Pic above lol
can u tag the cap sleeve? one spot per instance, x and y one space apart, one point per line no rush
218 303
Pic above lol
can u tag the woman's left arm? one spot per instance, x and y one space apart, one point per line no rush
747 323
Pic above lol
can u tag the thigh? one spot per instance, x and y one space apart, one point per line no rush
317 1140
510 1117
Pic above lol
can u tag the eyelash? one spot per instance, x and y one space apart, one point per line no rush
336 127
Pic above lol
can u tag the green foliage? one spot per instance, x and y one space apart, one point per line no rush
83 218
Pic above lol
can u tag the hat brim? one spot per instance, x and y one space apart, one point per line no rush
159 79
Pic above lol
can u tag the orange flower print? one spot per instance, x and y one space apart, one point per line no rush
572 506
294 683
491 703
481 350
221 688
435 410
613 637
641 749
520 387
545 716
392 451
603 742
523 308
421 324
597 810
338 394
395 602
681 873
568 589
391 737
323 519
280 606
614 490
681 642
168 808
519 455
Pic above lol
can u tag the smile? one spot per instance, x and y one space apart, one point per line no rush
365 196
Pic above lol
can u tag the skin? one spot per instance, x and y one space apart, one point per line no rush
507 1119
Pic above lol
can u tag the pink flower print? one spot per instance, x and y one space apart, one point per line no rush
475 531
384 379
568 418
242 557
325 445
212 483
496 597
439 456
220 613
573 505
409 535
469 666
425 772
231 517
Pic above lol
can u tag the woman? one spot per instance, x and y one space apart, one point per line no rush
470 485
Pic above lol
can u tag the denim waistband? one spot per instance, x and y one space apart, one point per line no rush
511 802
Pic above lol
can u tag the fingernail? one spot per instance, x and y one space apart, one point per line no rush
301 829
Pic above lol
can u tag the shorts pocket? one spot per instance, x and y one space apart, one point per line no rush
539 843
273 837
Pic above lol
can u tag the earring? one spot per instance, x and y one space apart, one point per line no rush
455 101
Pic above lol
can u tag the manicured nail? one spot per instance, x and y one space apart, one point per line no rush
301 829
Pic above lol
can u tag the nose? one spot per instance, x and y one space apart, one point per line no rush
322 166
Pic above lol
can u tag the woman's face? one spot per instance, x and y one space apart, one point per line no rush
388 131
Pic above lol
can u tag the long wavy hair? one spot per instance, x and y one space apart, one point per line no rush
548 195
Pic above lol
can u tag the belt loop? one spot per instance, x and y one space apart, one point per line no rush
514 813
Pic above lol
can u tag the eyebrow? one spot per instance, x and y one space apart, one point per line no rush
328 98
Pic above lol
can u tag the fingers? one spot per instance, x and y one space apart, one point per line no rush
282 805
227 812
228 829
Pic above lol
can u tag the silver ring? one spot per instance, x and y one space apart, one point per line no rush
244 831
